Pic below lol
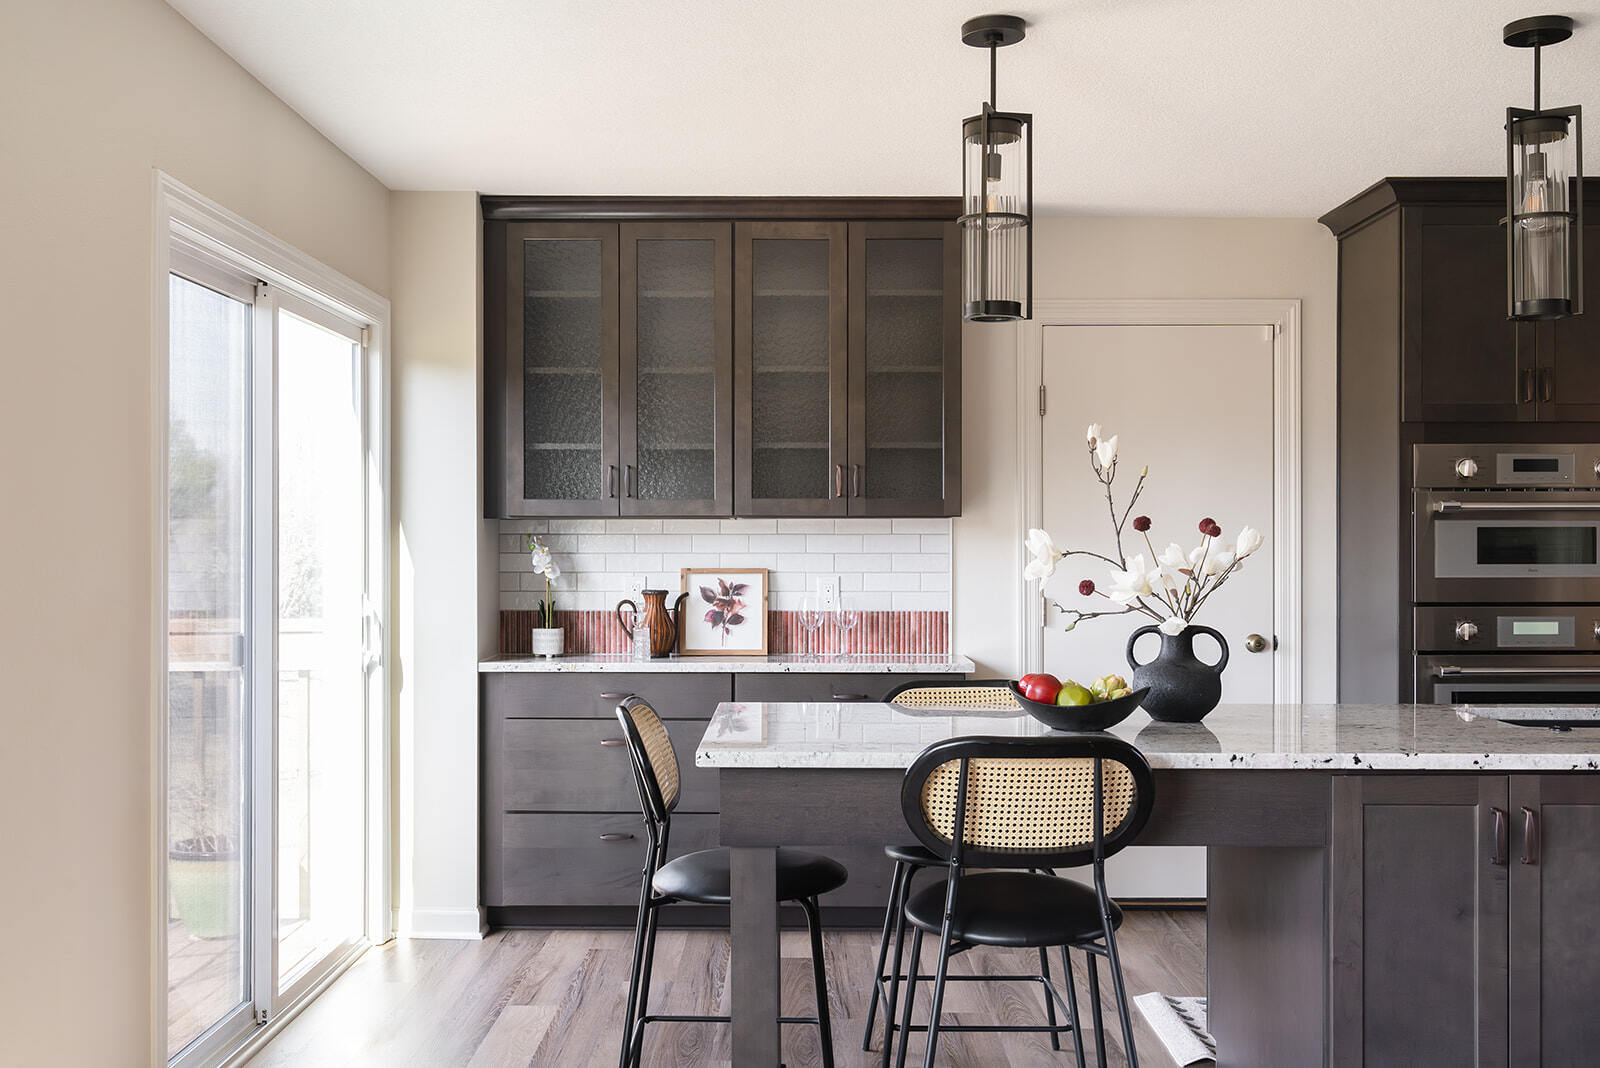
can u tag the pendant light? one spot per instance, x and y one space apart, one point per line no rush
1544 191
996 193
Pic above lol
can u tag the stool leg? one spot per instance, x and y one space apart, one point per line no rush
1049 1002
637 1052
1072 1004
1094 1009
938 995
883 952
819 977
911 997
633 975
1122 998
899 957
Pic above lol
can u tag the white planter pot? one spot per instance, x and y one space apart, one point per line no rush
547 641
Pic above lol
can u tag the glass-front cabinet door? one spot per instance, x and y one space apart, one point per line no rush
676 402
558 313
790 364
905 369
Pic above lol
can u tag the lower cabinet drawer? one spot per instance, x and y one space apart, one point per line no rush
585 694
581 765
808 686
561 859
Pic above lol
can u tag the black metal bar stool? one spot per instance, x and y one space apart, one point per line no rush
941 698
703 878
1056 801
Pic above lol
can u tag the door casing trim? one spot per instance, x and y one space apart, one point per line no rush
1282 316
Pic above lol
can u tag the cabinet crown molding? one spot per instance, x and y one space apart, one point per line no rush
739 208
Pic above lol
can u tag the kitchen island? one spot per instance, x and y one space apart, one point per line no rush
1387 884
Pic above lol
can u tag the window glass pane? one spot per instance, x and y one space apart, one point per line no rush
321 677
207 502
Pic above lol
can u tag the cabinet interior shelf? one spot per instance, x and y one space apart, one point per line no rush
674 447
676 371
562 446
677 294
904 293
908 369
791 445
875 446
793 369
561 370
791 292
564 294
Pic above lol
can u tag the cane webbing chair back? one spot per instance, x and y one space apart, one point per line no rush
977 697
654 763
1029 798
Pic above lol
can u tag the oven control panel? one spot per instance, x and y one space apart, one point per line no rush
1437 466
1508 628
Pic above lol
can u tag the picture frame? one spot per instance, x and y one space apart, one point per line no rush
725 613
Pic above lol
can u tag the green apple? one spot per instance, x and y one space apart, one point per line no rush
1073 694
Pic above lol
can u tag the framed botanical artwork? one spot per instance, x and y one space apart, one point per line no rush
726 612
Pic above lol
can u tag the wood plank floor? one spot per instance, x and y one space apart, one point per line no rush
554 998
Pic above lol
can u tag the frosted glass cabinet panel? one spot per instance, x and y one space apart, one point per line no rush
676 404
905 369
557 314
791 368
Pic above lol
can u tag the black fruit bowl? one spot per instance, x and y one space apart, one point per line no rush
1095 717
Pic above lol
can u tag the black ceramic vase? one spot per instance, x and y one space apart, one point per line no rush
1182 687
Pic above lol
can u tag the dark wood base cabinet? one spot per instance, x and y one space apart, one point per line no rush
562 840
1464 920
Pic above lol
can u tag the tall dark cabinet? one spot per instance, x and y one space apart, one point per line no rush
722 357
1427 354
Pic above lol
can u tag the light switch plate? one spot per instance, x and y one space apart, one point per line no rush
828 592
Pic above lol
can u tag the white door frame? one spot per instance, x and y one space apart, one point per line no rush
1282 316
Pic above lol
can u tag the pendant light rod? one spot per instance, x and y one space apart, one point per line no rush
994 55
1536 50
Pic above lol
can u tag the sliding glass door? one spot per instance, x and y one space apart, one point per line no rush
274 650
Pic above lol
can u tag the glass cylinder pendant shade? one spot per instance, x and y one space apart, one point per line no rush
997 217
1544 213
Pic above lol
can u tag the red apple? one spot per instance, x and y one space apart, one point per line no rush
1040 687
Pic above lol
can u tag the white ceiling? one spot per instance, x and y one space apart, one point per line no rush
1142 107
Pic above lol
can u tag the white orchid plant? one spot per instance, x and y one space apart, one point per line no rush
544 564
1170 586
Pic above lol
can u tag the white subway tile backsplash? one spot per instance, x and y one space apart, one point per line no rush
883 564
921 526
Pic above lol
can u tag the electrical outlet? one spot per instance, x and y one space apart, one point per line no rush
828 592
636 585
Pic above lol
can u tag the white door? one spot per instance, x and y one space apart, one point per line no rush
1195 405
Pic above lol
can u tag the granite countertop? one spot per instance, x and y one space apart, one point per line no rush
1316 737
867 663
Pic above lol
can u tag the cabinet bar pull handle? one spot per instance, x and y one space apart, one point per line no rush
612 742
838 480
615 695
611 480
633 482
1527 387
855 480
616 837
1546 385
1530 836
849 697
1501 833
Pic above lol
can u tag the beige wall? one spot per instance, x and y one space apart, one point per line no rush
1102 258
95 94
440 540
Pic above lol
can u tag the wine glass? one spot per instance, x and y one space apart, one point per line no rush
845 617
811 620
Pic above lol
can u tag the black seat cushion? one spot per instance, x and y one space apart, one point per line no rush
919 855
705 877
1013 908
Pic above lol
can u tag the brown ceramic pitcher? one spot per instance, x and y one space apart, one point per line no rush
664 622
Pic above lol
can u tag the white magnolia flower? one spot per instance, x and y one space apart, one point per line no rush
1095 432
1173 625
1219 559
1172 556
1133 583
1168 577
1045 557
1106 451
1250 540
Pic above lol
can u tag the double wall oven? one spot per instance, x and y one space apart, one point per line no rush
1506 585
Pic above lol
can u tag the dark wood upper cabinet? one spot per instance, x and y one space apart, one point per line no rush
676 376
550 306
791 368
1464 360
649 362
905 369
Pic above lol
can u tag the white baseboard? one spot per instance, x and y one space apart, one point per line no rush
442 923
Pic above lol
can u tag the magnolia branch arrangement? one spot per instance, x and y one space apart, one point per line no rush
1169 587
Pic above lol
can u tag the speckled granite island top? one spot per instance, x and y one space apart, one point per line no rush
1277 737
611 662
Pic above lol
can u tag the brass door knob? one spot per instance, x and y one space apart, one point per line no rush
1255 643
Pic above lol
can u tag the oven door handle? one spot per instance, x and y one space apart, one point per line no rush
1513 672
1511 506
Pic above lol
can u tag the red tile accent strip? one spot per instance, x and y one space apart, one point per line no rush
877 633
